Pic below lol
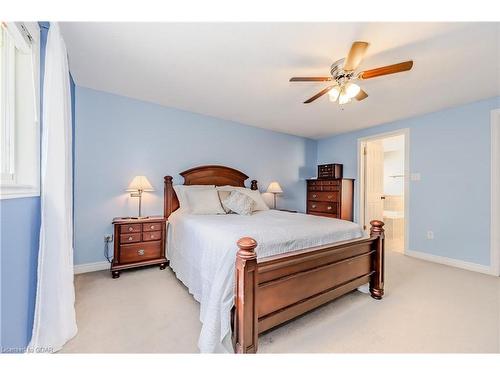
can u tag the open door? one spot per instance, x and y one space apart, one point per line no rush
383 186
374 181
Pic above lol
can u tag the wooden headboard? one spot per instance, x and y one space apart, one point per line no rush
217 175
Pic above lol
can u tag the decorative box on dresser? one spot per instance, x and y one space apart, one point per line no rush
331 197
138 242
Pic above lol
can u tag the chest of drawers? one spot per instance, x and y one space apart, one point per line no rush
138 242
331 198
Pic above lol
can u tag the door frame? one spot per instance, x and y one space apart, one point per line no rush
361 178
495 192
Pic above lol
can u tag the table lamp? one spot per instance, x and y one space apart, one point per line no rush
138 185
274 188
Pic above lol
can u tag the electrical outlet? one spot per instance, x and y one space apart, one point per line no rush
108 238
430 235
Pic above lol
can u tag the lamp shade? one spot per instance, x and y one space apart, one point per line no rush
275 188
140 183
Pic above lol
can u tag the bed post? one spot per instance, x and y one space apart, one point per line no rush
245 320
377 279
167 196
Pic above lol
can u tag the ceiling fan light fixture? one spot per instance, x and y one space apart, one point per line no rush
344 99
334 93
351 90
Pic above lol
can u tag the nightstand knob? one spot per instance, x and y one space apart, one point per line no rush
315 196
130 229
329 207
152 236
330 196
313 206
130 238
152 227
140 252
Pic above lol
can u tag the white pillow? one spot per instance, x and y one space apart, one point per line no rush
260 205
239 203
204 202
180 191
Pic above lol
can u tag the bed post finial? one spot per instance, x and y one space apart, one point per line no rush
253 185
377 279
245 320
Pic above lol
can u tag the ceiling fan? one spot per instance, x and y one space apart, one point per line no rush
342 73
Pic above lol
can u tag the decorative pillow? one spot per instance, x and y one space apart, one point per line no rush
239 203
180 191
204 202
260 205
223 195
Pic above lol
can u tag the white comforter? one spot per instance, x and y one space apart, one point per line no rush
202 252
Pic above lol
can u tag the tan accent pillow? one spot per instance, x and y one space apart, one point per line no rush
223 195
239 203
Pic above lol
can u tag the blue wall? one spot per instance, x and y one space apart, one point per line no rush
118 138
451 151
20 227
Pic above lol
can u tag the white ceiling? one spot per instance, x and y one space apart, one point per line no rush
240 71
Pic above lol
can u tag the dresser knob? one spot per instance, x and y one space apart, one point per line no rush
313 206
329 207
130 229
152 236
315 196
130 238
330 196
140 252
152 227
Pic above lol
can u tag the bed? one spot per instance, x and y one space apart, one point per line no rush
253 273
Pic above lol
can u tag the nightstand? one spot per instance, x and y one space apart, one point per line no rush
138 242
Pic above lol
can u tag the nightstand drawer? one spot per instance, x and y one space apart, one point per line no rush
132 237
140 251
150 227
151 236
130 228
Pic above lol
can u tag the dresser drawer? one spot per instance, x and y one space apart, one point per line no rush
130 228
130 237
332 196
140 251
322 207
150 227
323 185
151 236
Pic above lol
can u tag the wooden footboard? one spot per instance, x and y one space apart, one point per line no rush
274 290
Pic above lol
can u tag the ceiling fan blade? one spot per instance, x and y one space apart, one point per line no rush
310 79
319 94
356 54
361 95
384 70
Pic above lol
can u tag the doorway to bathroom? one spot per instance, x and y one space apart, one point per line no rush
383 195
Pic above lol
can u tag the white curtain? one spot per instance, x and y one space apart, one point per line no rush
55 321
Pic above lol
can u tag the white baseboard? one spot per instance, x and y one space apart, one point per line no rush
91 267
451 262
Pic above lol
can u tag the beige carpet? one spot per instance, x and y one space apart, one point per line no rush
427 308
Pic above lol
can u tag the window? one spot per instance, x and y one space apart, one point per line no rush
19 110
